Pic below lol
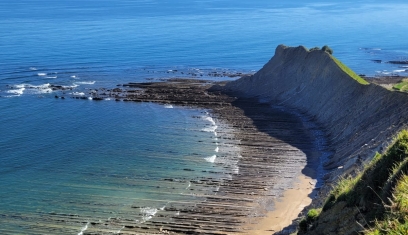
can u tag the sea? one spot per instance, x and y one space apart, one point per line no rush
103 160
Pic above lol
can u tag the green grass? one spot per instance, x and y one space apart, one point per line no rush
372 188
311 217
402 86
380 191
396 217
350 72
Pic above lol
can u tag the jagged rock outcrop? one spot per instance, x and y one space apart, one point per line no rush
359 119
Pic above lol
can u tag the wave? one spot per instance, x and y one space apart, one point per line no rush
20 89
217 149
51 77
148 213
210 119
70 87
78 93
33 68
42 74
16 92
211 159
399 71
85 83
210 129
84 229
168 106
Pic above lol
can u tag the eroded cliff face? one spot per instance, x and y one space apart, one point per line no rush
358 119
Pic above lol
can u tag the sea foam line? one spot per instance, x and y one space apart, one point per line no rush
211 159
16 92
148 213
85 83
84 229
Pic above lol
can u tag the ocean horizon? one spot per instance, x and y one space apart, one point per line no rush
110 161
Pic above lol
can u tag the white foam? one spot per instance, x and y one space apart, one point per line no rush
210 119
89 98
148 213
162 208
168 106
399 70
44 86
70 87
84 229
43 91
78 93
85 83
16 92
120 230
210 129
33 89
42 74
73 76
33 68
211 159
189 185
217 149
51 76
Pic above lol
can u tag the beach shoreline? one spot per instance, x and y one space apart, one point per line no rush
275 149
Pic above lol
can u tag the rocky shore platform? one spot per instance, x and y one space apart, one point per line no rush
276 147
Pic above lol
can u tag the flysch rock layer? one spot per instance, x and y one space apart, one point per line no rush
358 119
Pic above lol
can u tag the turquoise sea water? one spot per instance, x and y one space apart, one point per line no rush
96 160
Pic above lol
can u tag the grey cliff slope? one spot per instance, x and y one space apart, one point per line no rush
359 119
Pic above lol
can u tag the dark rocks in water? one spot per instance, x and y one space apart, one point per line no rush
97 98
377 61
398 62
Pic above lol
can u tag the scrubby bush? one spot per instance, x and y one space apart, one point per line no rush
327 49
314 49
312 216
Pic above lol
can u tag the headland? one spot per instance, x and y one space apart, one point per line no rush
269 112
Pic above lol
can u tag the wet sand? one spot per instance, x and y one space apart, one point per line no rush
275 149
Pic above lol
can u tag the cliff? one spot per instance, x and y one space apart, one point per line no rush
359 118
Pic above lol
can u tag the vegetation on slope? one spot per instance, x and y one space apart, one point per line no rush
380 192
402 86
350 72
342 66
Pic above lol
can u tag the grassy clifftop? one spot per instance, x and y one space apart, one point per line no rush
376 200
350 72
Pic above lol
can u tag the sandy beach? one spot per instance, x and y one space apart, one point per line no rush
286 209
